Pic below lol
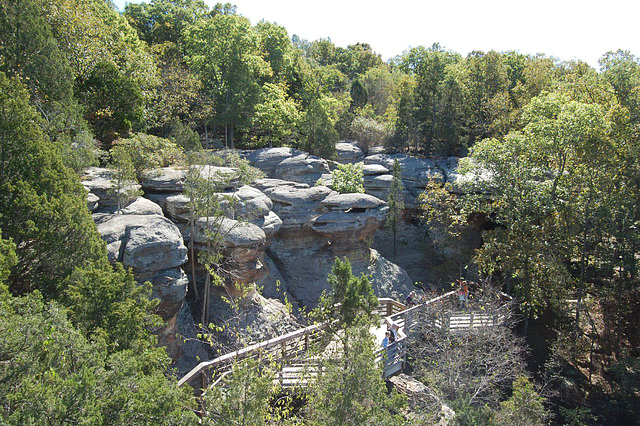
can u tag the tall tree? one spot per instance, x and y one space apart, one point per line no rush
395 201
225 51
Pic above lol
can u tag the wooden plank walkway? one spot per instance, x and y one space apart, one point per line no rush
291 349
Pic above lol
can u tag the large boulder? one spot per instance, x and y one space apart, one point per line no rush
348 152
289 164
416 172
100 182
146 243
350 218
170 287
243 246
302 168
268 159
297 207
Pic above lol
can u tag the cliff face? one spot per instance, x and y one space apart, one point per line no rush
280 234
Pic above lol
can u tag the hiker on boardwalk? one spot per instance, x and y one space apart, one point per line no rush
387 337
463 293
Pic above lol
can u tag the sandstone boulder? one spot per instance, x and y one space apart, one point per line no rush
302 168
146 243
349 152
100 182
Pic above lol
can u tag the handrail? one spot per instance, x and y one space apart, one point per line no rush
274 343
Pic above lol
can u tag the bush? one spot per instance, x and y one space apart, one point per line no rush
148 152
348 178
369 133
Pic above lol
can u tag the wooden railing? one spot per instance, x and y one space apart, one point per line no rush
294 345
289 346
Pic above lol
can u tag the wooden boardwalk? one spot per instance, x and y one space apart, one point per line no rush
291 351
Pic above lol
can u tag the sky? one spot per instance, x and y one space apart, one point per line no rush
567 29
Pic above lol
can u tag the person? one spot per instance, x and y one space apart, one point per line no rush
463 292
385 341
394 332
409 300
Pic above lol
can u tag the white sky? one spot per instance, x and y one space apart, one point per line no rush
567 29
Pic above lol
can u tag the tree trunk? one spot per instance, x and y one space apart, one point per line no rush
193 260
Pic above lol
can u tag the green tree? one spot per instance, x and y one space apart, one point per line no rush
42 204
395 201
319 135
351 298
125 182
114 102
275 116
348 178
349 388
225 51
52 374
524 407
369 133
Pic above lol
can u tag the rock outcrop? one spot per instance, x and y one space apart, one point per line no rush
289 164
348 152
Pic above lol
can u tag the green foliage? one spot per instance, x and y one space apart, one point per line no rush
125 182
351 298
395 201
183 136
113 102
42 204
524 407
348 178
349 389
110 303
319 135
369 133
243 398
52 374
148 152
224 50
275 116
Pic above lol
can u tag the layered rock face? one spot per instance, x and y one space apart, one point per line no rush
152 246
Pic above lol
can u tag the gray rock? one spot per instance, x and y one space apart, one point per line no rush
268 159
170 287
349 152
351 201
302 168
416 172
297 207
374 169
142 206
99 181
268 183
177 208
166 179
146 243
92 201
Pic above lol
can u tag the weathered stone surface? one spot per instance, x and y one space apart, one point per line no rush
297 207
176 207
256 319
243 248
172 179
374 169
99 181
345 202
268 159
92 201
268 183
416 172
166 179
302 168
348 152
142 206
147 243
351 218
179 337
170 287
422 400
